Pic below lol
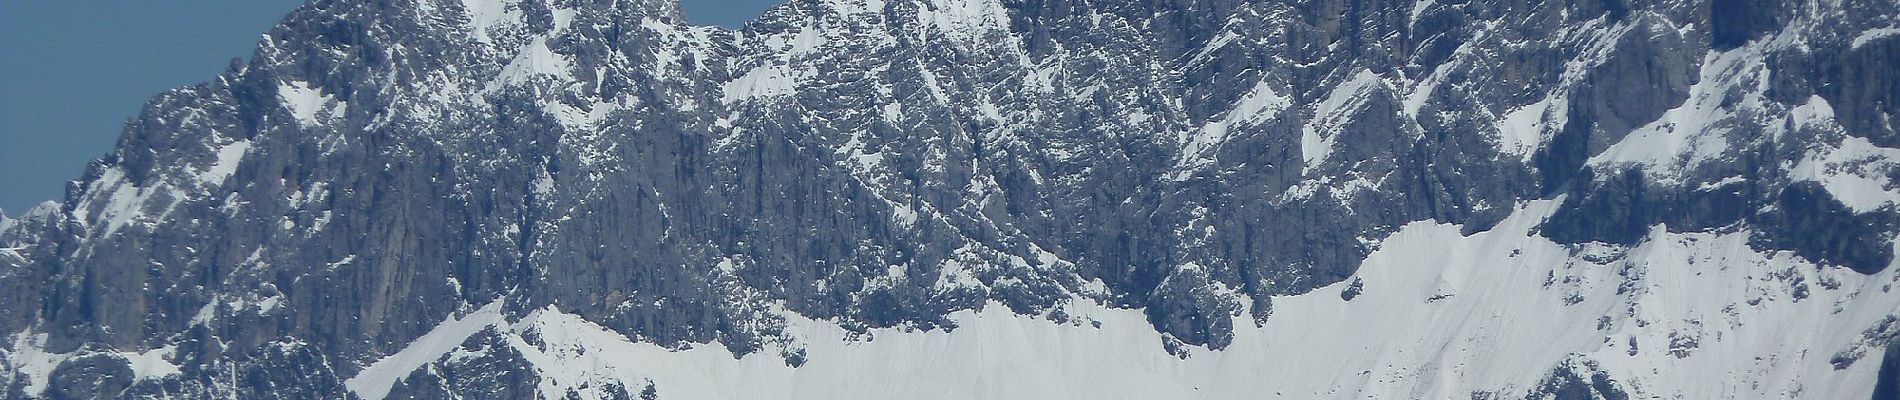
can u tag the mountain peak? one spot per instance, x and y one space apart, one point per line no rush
597 199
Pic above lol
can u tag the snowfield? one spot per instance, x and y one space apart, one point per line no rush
1441 316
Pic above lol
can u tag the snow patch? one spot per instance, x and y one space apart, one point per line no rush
760 82
28 356
228 157
535 59
488 14
1522 131
374 382
152 364
123 203
1418 7
1873 34
963 19
1696 132
307 103
1332 114
1856 173
1260 102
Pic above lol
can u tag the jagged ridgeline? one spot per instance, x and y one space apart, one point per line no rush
1174 198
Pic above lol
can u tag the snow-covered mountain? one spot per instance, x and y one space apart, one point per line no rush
993 199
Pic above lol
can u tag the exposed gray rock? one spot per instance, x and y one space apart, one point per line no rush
378 167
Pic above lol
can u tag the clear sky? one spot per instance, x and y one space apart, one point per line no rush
72 72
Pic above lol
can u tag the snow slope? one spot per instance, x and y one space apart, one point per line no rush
1439 313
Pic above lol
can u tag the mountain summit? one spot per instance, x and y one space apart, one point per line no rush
1483 199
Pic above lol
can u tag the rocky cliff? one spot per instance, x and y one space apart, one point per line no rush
427 198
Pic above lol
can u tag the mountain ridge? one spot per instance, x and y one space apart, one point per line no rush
376 169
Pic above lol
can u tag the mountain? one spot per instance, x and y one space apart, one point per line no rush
1483 199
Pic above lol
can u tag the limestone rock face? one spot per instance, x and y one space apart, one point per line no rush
393 198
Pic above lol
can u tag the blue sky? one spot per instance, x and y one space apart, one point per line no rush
73 71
